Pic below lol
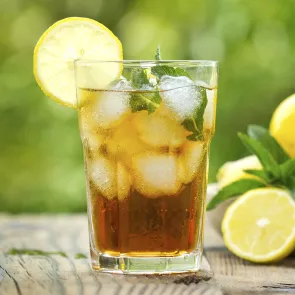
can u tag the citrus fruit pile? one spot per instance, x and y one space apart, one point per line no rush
260 225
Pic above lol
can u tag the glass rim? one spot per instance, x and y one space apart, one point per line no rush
131 62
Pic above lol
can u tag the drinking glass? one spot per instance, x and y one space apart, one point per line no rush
146 134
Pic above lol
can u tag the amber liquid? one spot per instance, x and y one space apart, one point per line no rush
141 226
131 212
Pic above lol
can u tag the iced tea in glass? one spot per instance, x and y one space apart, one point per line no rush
146 140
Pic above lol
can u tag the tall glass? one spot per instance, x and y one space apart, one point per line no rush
146 137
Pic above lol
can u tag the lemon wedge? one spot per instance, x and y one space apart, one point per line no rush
234 170
260 225
72 39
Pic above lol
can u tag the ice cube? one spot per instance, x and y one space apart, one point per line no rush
189 160
90 135
124 143
112 106
179 95
102 172
123 181
94 141
159 131
155 174
209 115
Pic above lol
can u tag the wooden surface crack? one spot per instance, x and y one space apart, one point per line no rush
13 279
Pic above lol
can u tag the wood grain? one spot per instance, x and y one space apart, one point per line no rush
54 274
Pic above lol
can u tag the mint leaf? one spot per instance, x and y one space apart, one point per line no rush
149 101
196 121
34 252
259 173
233 190
80 256
265 157
143 100
264 137
158 53
291 185
161 70
287 170
139 78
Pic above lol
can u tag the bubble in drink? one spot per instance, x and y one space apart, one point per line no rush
102 173
179 95
112 106
155 175
159 131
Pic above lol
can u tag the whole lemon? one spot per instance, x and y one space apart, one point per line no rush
282 125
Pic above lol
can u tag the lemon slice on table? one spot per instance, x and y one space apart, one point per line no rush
260 225
71 39
282 125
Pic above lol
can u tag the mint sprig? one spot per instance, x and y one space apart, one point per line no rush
263 136
158 53
288 169
195 122
149 97
258 173
278 169
161 70
271 167
143 100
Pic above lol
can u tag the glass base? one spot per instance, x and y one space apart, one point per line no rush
146 265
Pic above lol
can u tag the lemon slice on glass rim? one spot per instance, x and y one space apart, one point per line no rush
72 39
260 225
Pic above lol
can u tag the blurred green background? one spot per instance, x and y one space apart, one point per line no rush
41 162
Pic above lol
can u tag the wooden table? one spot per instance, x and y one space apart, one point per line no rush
54 274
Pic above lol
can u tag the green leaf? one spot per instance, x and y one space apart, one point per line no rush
149 101
34 252
158 53
80 256
139 78
162 70
287 170
233 190
196 121
259 173
143 100
265 157
264 137
291 185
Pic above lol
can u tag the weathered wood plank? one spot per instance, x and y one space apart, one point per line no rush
30 275
59 275
235 274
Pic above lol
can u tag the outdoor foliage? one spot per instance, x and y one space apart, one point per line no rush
41 162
